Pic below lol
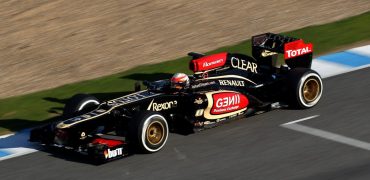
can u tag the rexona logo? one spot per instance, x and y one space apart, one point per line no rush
112 153
244 65
213 63
231 83
208 62
296 48
228 102
161 106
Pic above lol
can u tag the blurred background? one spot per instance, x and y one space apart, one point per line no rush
45 44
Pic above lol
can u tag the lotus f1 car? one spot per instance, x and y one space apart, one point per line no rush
224 86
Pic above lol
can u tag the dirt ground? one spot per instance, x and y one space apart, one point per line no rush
45 44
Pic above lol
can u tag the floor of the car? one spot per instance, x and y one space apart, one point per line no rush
113 137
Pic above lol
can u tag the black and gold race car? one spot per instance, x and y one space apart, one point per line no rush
224 86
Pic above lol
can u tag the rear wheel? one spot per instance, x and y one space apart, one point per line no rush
79 104
148 131
305 88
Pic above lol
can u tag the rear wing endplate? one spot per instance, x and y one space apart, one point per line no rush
296 52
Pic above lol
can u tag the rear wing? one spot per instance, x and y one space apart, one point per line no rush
265 47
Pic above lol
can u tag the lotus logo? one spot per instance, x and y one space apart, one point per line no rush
198 101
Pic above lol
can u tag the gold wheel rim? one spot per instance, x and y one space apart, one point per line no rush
311 90
154 133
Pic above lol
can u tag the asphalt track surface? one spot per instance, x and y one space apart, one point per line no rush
258 147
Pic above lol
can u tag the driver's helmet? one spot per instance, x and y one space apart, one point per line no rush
180 81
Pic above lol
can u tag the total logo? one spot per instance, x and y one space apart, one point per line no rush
228 102
243 65
298 52
112 153
161 106
296 48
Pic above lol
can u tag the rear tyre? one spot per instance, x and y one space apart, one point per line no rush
79 104
305 88
148 131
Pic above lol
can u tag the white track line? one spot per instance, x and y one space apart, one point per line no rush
300 120
325 134
16 144
24 151
6 135
328 69
329 136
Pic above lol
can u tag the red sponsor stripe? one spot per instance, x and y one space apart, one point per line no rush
208 62
109 142
297 48
228 102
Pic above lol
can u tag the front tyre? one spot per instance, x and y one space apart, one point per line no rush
148 131
80 104
305 88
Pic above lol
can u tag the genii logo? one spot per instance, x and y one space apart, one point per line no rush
108 153
228 102
296 48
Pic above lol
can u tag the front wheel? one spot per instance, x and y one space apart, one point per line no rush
79 104
148 131
305 88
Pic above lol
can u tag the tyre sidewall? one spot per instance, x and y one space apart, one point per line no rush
296 79
303 80
145 119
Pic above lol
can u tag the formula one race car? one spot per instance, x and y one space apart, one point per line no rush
224 86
